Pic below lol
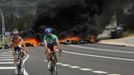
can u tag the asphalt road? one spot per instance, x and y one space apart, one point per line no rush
86 59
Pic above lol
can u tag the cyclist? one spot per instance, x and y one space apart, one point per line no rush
17 43
51 43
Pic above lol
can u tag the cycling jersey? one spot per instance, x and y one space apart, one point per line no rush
16 42
51 40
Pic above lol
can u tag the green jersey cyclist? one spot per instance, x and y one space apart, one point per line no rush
51 42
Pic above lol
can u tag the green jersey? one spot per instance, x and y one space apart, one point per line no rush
51 40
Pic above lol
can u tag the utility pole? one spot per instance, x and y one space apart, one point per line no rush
3 28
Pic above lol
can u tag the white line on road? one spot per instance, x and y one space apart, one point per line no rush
98 56
65 65
85 69
75 67
5 59
25 72
114 74
7 68
6 55
98 49
100 72
82 69
6 63
27 56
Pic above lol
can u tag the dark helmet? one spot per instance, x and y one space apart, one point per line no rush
48 30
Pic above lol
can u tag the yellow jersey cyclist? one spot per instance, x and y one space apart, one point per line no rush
51 42
17 43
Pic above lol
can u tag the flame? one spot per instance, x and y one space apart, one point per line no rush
32 41
70 38
92 38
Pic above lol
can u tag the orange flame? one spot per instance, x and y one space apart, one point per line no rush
92 39
70 38
32 41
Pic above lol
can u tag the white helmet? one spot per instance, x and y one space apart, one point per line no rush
15 31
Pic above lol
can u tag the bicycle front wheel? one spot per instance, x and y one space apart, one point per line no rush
53 68
51 72
19 68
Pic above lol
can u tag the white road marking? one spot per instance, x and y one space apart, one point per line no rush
82 69
66 65
5 59
100 72
25 72
85 69
98 49
74 67
27 56
45 60
114 74
7 68
59 63
6 55
6 63
98 56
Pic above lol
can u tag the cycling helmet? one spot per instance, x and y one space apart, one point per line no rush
15 31
48 30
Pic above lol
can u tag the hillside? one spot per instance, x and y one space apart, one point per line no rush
19 7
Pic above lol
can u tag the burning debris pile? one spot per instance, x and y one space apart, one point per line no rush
31 42
70 39
81 18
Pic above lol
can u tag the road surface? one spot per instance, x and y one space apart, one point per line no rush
81 59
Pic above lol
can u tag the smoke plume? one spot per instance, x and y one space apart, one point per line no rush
74 17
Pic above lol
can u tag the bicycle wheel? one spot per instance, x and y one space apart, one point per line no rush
19 66
53 67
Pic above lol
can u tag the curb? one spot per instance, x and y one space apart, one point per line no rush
116 43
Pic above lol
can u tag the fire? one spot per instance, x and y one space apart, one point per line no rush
70 38
92 38
32 41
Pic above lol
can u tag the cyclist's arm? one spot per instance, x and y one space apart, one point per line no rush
57 42
45 45
11 45
23 45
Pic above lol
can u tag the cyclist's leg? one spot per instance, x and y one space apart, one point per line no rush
14 49
23 53
54 49
48 57
48 54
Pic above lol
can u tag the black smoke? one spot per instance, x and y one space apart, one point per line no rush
74 17
125 14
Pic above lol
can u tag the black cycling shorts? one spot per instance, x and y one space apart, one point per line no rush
17 48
